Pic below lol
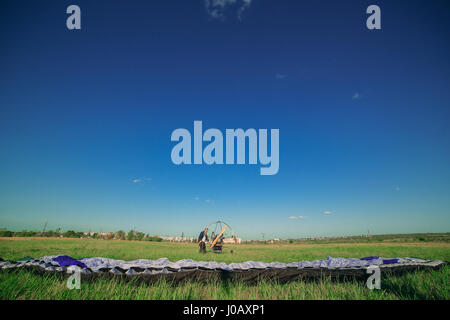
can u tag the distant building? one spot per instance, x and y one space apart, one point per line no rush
231 240
176 239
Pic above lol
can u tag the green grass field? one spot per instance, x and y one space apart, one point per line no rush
26 285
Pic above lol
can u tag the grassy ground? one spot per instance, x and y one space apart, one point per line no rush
26 285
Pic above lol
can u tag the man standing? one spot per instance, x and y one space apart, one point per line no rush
202 238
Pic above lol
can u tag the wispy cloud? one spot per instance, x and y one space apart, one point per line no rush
209 201
141 180
297 217
220 9
356 96
327 212
196 198
280 76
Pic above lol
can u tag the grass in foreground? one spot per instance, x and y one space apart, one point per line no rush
419 285
26 285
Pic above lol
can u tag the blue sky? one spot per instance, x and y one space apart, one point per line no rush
86 116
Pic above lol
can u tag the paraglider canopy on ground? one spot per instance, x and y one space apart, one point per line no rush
151 271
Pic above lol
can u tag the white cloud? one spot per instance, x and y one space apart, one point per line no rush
356 96
297 217
139 180
196 198
218 9
397 188
327 212
280 76
209 201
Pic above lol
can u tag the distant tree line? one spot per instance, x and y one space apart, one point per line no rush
119 235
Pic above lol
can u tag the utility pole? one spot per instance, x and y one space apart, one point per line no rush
45 226
263 234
